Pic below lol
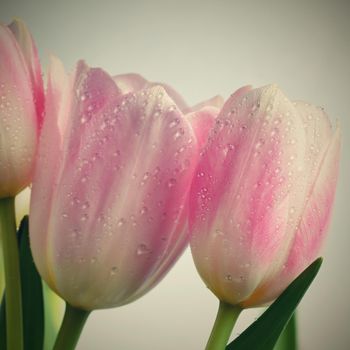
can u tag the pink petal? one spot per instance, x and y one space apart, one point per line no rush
48 164
30 53
174 95
202 122
313 225
134 82
216 101
130 82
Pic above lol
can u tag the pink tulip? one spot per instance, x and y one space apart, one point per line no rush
109 204
21 107
262 195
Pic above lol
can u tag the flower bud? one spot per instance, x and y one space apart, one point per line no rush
109 204
262 195
21 107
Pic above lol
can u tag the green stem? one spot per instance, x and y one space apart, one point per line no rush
14 323
288 340
222 329
72 325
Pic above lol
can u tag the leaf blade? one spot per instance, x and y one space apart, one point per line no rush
32 293
265 331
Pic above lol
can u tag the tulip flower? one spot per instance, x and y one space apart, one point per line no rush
21 111
109 202
262 196
21 107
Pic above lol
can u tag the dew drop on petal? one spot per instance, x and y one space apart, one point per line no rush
114 270
142 249
228 277
171 182
121 222
143 210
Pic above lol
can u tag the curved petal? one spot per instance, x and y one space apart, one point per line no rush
175 96
30 53
312 228
130 82
134 82
202 121
216 101
240 198
48 164
18 122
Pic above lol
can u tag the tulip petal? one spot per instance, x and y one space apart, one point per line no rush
29 50
134 82
312 227
175 96
216 101
254 155
18 123
48 164
202 121
130 82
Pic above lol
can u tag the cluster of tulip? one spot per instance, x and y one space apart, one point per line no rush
124 175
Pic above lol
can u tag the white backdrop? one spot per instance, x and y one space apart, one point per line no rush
206 48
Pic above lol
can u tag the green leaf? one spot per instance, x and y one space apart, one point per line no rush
32 293
3 324
288 339
32 296
265 331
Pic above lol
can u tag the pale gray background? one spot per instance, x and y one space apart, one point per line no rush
204 48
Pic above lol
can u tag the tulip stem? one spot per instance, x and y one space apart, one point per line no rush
72 325
13 296
225 320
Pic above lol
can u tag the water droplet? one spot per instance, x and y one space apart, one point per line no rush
85 205
84 119
143 210
171 182
142 249
114 270
174 123
121 222
177 135
219 232
228 277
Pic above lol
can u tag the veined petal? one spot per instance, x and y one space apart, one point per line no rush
313 225
202 122
134 82
216 101
48 164
130 82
